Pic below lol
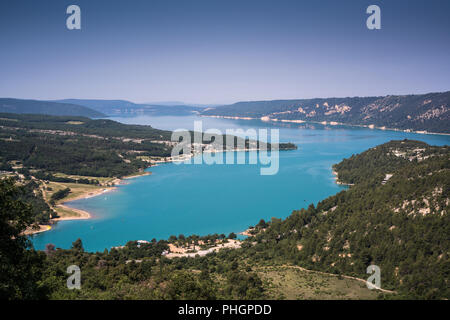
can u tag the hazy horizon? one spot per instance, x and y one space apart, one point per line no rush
175 103
214 53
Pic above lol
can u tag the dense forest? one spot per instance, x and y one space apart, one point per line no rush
398 222
85 147
425 112
77 145
124 107
381 160
30 193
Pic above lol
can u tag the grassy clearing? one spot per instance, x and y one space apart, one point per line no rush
76 190
150 158
282 282
102 180
138 174
74 122
66 213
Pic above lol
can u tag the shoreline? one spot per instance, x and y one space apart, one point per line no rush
42 228
331 123
246 233
89 194
120 181
339 182
140 174
82 214
155 163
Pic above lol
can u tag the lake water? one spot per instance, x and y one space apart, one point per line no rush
203 199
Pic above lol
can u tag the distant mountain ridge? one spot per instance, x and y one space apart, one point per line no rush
124 107
424 112
22 106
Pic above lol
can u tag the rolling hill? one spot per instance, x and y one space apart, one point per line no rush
395 215
124 107
9 105
426 112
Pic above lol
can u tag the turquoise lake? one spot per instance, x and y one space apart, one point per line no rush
203 199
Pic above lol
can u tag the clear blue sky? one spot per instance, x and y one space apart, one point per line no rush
222 51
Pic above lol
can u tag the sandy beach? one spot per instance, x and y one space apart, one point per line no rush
190 156
80 214
141 174
42 228
89 194
246 233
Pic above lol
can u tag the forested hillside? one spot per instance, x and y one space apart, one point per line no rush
86 147
426 112
8 105
383 159
396 216
124 107
80 146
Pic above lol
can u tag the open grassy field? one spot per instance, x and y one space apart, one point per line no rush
76 190
284 282
66 212
102 180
